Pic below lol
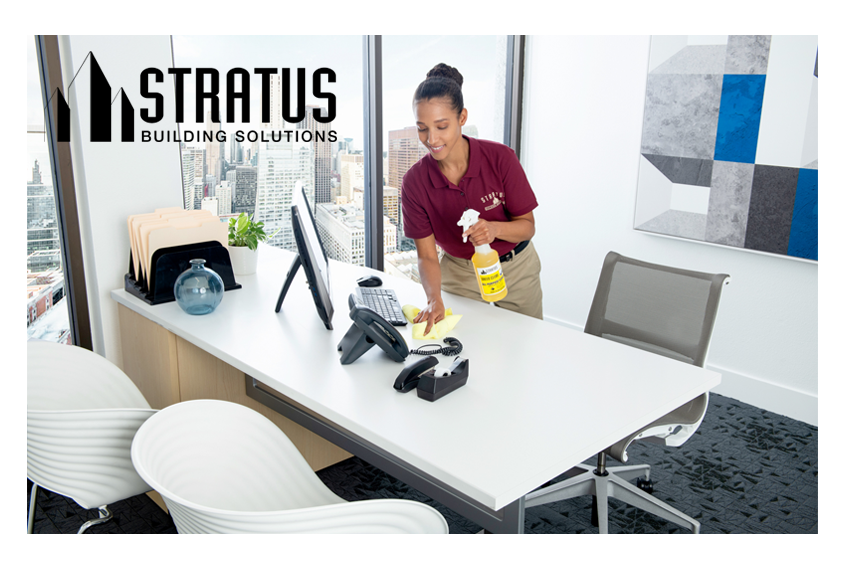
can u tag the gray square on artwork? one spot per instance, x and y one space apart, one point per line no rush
681 115
727 211
770 209
747 54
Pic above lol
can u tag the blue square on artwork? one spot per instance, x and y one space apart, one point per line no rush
739 117
818 216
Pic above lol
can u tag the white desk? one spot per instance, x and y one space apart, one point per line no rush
540 398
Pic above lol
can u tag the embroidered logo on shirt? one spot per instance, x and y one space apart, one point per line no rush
496 199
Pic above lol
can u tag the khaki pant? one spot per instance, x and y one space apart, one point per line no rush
522 276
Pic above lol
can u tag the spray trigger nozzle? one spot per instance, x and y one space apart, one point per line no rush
468 219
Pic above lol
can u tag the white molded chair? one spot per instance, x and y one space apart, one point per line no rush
667 311
82 413
224 468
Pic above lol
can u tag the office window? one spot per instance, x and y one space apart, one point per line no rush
247 173
46 307
482 60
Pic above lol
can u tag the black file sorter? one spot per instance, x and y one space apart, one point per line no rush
172 261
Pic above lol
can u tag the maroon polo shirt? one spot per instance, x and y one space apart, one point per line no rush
494 185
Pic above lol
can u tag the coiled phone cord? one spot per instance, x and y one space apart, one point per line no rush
453 349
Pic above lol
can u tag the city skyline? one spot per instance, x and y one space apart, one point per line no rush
406 60
405 63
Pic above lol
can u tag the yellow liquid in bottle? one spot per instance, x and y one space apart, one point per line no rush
488 271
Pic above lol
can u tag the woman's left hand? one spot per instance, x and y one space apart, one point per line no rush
483 232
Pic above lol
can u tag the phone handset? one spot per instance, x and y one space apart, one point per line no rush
369 328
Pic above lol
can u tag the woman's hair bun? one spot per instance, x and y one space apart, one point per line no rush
443 81
446 71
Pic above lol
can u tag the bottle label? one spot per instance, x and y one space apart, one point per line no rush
492 279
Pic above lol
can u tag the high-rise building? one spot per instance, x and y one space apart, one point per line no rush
322 149
280 166
199 192
246 185
223 193
389 238
43 248
390 204
214 149
403 151
210 184
351 174
277 122
235 155
338 160
192 174
212 204
36 174
318 138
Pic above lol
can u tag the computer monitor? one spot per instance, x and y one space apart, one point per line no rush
311 255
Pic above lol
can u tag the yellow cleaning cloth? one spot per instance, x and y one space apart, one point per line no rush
438 331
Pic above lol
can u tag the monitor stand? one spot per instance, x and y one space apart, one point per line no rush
291 274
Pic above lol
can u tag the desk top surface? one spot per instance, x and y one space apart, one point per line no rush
540 397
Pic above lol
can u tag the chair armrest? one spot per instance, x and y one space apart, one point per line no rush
672 430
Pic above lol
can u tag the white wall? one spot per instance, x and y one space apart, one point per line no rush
584 99
114 180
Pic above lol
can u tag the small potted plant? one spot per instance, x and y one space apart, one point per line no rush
244 236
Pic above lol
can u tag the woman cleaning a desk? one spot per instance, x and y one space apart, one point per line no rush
461 173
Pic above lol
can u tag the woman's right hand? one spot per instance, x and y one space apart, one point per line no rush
434 312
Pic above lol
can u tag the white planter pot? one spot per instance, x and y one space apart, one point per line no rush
244 260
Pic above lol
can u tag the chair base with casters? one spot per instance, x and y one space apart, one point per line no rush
603 482
610 482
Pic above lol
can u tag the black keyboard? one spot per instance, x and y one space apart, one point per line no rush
382 301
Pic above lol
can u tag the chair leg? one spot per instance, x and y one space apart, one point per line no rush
630 494
32 495
105 516
630 473
601 501
574 487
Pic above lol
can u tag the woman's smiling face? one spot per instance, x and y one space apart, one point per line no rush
439 126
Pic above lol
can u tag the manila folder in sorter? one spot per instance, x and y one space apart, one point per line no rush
181 232
132 222
147 226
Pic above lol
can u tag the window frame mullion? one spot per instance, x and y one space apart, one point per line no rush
67 216
373 154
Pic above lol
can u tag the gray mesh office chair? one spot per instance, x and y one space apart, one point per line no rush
667 311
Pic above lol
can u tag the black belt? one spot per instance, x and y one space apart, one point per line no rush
510 255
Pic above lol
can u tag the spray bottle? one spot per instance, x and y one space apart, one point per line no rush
488 270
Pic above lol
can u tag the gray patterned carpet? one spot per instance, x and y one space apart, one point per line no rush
745 471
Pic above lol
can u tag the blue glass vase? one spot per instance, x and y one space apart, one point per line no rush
198 290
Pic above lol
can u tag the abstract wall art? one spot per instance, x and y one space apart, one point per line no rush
729 151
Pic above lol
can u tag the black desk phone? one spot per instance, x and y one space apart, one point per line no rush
369 328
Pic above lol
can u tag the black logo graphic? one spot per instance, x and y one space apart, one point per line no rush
101 103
